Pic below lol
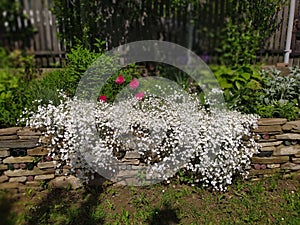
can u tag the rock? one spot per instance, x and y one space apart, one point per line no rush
296 160
132 155
64 182
29 137
290 166
33 183
288 136
25 188
9 137
270 144
287 150
3 178
271 121
44 177
4 153
17 179
131 161
276 129
9 131
19 143
45 165
270 160
3 167
38 151
20 172
268 149
273 166
27 131
10 185
23 159
292 125
262 172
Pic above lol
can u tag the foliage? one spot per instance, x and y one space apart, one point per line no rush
248 25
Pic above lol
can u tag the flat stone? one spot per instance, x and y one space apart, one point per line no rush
19 143
27 131
271 121
3 167
292 125
4 153
273 166
10 185
45 139
287 150
23 159
46 165
295 131
132 155
4 149
296 160
131 161
38 151
20 172
288 136
262 172
64 182
17 179
3 178
44 177
270 160
269 144
9 137
33 183
268 148
268 129
29 137
9 130
290 166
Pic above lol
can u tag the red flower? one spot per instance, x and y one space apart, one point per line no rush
134 83
140 96
120 79
102 98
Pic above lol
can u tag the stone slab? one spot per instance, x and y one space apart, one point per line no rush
33 183
269 144
132 155
44 177
20 172
46 165
131 161
287 150
19 143
288 136
268 148
296 160
3 178
270 160
64 182
292 125
271 121
273 166
3 167
10 185
17 179
262 172
27 131
4 153
290 166
268 129
9 137
23 159
9 130
38 151
29 137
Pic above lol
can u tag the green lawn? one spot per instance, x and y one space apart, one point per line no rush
271 201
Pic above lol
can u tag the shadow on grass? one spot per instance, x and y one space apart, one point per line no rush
61 206
165 216
6 202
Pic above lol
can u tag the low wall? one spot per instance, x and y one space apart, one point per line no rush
24 161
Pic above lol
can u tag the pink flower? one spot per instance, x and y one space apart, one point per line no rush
140 96
120 79
134 83
102 98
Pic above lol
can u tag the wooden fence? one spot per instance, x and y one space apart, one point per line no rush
180 26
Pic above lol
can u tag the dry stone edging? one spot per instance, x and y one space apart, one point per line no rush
279 153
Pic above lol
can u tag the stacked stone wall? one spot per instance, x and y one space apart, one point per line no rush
24 160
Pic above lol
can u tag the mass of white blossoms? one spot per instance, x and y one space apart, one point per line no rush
171 133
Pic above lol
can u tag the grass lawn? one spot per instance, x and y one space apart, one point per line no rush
271 201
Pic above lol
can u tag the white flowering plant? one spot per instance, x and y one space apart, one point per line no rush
170 133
